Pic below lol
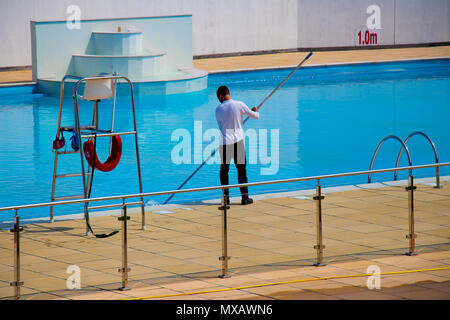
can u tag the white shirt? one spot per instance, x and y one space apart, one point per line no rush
229 118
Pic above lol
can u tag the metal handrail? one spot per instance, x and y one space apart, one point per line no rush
434 149
378 148
17 283
250 184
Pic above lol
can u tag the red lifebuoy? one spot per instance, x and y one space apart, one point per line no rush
113 158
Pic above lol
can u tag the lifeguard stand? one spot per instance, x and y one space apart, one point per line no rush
96 88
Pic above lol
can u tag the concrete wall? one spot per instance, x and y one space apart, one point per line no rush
218 26
221 27
336 23
325 23
422 21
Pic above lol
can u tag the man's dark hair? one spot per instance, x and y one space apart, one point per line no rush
223 90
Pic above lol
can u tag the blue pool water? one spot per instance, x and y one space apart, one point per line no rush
328 120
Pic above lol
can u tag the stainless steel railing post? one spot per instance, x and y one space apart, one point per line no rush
319 246
438 183
124 270
16 283
224 258
411 236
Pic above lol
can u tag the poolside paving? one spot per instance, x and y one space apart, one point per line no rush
283 60
318 58
270 241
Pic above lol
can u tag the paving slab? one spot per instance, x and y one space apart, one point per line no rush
270 241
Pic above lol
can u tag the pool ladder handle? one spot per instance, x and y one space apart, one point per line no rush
403 143
378 148
436 158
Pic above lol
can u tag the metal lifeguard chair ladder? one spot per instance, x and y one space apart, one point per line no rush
96 88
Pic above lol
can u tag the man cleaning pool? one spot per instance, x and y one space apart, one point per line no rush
254 111
229 118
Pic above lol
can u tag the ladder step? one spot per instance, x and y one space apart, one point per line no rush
68 175
68 152
69 197
109 134
72 128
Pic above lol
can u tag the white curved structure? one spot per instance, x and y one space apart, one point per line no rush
155 53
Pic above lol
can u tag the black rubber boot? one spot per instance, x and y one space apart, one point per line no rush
246 200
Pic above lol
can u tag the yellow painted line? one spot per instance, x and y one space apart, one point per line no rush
284 282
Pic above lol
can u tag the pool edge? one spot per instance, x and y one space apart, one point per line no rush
280 67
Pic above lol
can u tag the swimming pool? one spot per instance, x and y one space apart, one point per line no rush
327 119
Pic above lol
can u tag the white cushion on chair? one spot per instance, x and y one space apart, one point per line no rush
97 89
